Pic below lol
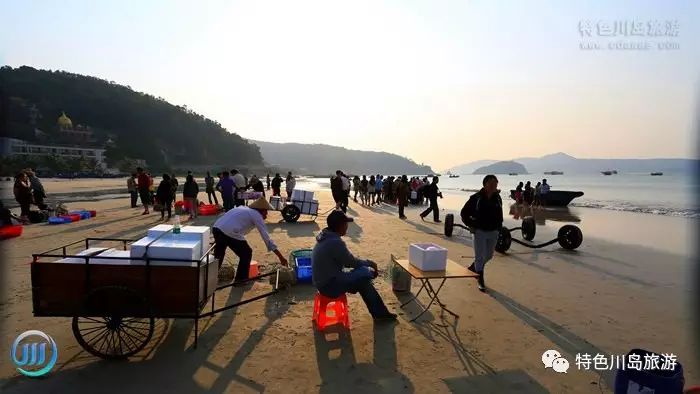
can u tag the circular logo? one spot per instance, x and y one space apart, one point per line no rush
29 353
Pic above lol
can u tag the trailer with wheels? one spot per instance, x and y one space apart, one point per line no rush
113 299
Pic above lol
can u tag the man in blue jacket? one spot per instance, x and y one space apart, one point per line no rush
331 255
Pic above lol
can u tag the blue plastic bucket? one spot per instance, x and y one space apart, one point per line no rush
58 220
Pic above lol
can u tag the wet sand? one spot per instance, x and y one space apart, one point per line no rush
606 297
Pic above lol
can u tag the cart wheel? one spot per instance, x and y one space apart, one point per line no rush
504 240
291 213
113 334
528 228
449 224
570 237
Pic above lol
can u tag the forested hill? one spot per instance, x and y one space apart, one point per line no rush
141 126
320 159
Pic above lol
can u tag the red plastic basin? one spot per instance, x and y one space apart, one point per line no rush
10 231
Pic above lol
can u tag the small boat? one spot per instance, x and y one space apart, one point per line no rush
512 173
608 172
657 173
454 176
553 173
556 198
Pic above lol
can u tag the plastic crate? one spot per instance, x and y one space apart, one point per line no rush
301 262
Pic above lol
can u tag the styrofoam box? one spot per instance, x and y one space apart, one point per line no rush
414 195
302 195
309 207
74 260
200 233
122 254
427 256
170 246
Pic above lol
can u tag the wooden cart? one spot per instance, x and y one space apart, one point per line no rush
114 301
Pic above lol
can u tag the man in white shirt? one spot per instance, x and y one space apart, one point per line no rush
229 232
240 184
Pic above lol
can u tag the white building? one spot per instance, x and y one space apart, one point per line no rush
15 147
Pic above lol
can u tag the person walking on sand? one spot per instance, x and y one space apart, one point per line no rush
174 184
402 192
268 181
229 232
356 187
165 196
432 193
190 190
331 256
240 186
378 188
151 188
276 185
23 194
226 187
346 190
133 190
209 188
371 189
364 187
144 184
290 183
484 213
337 190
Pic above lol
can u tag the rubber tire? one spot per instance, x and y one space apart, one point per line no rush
570 237
449 224
504 240
529 228
291 213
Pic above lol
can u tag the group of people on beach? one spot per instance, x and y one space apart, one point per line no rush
28 191
537 196
228 184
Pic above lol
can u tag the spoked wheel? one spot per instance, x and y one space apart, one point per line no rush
114 333
291 213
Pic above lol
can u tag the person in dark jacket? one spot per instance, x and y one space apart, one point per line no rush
337 190
528 193
268 181
165 196
488 219
257 185
209 184
190 190
432 192
38 192
330 256
23 194
403 190
174 184
276 184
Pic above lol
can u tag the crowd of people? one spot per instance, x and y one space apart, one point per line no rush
227 184
537 196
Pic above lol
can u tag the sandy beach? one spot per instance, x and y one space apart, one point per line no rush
606 297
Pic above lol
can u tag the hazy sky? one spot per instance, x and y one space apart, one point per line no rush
440 82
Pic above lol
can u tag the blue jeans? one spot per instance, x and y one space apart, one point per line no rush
484 244
358 280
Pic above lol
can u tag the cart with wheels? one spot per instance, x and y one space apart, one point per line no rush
114 299
292 210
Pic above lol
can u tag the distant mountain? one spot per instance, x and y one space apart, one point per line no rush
502 167
572 165
469 168
320 159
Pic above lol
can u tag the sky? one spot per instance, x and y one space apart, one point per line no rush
440 82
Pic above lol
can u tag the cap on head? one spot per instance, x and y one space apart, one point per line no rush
336 219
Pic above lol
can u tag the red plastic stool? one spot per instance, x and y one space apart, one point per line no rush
340 311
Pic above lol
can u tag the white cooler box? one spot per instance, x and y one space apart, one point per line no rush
169 246
277 202
427 257
302 195
308 207
414 195
201 233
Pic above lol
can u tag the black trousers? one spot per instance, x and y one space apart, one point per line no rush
434 208
167 207
134 198
401 206
240 248
211 193
228 201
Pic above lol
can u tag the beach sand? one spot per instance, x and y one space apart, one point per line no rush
604 298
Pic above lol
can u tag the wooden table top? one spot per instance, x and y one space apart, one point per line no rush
452 270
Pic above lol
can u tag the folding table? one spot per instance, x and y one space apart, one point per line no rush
452 270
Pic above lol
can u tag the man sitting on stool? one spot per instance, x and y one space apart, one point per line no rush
230 230
331 255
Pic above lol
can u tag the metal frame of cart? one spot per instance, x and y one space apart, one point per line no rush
114 306
291 212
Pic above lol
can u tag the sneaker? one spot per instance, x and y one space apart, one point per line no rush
389 317
472 268
437 221
422 217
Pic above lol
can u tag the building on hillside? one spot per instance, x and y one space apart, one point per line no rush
74 134
12 147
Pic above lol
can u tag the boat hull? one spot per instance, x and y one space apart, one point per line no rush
556 198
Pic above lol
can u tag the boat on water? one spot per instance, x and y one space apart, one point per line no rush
657 173
512 173
553 173
454 176
556 198
609 172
